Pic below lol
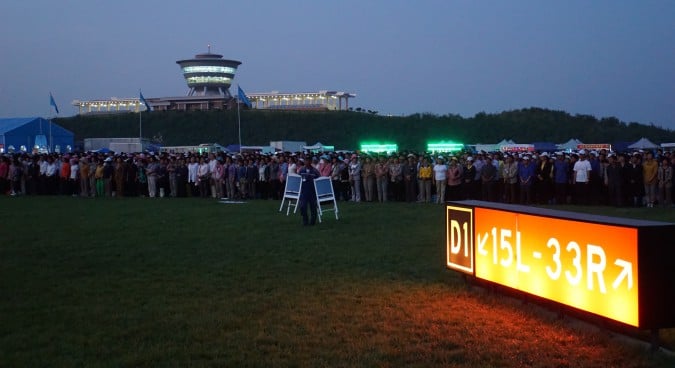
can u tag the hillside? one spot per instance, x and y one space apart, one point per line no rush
345 129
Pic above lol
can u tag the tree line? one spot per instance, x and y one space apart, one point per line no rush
346 129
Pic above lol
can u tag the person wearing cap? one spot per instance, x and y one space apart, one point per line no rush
582 171
308 192
526 173
510 178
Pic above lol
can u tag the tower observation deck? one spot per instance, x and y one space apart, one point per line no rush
209 74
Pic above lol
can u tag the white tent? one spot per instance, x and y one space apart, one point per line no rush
318 147
505 142
570 145
642 144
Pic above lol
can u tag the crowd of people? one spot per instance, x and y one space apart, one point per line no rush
641 178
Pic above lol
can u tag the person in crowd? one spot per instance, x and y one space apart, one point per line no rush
251 179
15 173
665 182
263 179
274 182
355 178
510 179
543 185
32 176
336 167
181 177
84 177
93 163
382 179
151 173
193 167
243 179
231 178
217 171
424 178
409 171
212 181
171 169
468 175
74 178
440 178
308 193
650 168
595 178
4 175
64 176
488 174
142 177
203 178
108 176
526 174
325 167
561 172
454 180
635 176
119 177
100 182
614 181
344 180
582 170
368 178
396 177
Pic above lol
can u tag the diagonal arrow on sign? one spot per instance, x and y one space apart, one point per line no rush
481 244
627 271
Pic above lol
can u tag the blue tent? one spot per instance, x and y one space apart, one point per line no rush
25 133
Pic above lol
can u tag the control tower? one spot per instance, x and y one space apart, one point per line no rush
209 74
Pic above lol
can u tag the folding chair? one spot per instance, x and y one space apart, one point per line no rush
291 192
324 193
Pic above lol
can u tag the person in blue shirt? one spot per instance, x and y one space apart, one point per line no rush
526 177
308 193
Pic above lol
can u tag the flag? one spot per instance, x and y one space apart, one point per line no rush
143 101
53 103
242 96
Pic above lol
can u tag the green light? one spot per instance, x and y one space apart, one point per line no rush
444 147
379 147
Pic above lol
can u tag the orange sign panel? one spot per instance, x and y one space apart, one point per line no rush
592 267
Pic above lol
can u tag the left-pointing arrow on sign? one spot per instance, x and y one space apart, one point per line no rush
626 272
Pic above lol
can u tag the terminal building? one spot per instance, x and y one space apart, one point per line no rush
209 77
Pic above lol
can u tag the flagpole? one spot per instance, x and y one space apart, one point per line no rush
239 123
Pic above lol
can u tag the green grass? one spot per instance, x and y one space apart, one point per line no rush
190 282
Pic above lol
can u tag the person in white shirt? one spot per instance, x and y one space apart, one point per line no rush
440 177
582 176
192 174
74 176
203 177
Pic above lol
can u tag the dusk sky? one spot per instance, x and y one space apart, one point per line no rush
602 58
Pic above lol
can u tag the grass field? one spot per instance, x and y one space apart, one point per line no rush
191 283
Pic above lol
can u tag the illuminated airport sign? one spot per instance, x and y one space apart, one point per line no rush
605 266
